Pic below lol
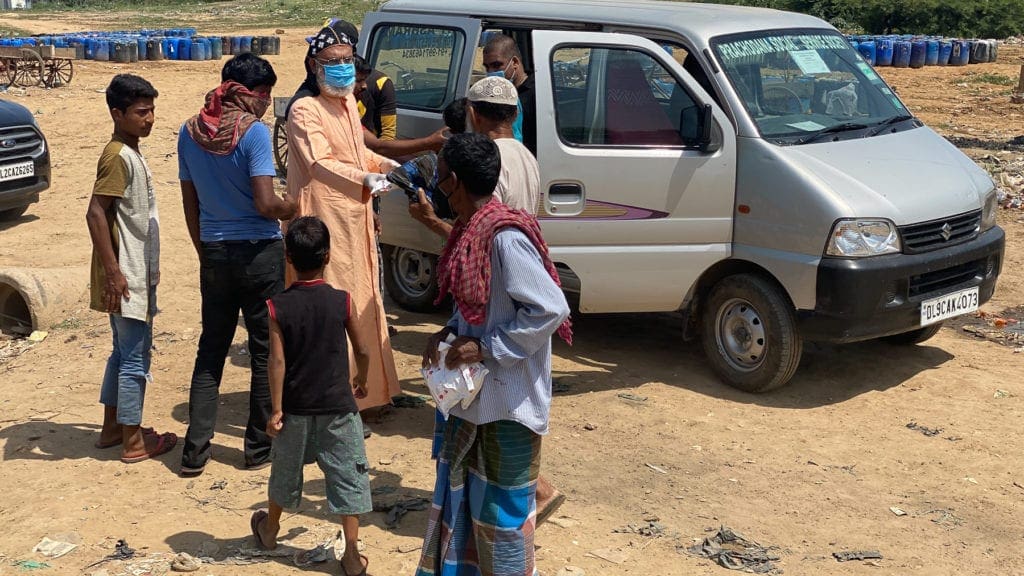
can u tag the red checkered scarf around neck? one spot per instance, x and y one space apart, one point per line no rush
229 112
464 269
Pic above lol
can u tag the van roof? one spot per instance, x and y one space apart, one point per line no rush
696 21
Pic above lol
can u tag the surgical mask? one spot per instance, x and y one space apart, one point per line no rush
501 73
339 75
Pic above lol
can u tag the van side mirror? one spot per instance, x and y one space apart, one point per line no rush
710 134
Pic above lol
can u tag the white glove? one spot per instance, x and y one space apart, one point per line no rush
377 183
388 165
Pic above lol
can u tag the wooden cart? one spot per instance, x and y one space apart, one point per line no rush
281 134
28 66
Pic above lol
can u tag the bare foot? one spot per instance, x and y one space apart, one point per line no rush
262 531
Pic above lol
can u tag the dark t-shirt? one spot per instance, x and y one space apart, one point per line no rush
378 102
528 100
312 316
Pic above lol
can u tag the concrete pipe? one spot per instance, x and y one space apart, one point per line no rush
38 298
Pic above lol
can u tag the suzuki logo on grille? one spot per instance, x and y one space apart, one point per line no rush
8 143
946 231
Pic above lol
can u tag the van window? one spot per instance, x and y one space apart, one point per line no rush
620 97
801 83
422 61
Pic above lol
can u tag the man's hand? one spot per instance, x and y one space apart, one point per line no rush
430 355
388 165
376 224
465 350
422 210
274 424
438 138
359 386
116 288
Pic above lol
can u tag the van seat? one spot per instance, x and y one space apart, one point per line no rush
633 115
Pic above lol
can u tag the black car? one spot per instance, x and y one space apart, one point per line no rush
24 160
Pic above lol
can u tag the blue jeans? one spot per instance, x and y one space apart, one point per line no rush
127 373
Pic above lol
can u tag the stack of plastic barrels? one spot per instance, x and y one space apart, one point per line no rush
910 51
164 44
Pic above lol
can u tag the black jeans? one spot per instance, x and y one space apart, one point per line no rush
233 275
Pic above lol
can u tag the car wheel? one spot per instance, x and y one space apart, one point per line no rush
914 336
749 333
410 277
13 213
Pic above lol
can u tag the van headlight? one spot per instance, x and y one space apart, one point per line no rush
988 210
862 238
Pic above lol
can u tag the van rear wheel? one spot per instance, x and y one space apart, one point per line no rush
410 277
914 336
749 333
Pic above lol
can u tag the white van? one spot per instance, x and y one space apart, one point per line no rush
744 166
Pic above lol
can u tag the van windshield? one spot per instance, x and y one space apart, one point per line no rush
799 85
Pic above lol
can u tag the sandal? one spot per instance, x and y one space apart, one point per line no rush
104 445
557 499
165 443
366 564
255 520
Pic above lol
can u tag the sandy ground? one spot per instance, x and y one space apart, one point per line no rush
810 469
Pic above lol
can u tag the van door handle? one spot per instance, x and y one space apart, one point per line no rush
565 193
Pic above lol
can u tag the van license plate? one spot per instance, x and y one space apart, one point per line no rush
948 306
19 170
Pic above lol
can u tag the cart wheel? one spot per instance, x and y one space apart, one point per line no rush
281 145
30 69
61 72
10 69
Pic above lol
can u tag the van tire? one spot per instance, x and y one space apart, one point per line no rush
749 333
410 277
914 336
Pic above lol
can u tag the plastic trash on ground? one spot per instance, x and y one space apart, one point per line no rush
449 388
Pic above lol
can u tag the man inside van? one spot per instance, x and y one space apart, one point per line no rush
502 58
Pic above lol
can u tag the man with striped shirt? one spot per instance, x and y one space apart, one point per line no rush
483 522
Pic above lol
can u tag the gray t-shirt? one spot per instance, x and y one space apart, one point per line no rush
519 183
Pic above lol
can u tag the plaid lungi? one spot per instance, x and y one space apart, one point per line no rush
484 510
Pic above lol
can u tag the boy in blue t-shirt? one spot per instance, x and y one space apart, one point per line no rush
315 417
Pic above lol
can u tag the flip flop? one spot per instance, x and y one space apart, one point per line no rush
164 444
105 445
366 564
554 504
254 525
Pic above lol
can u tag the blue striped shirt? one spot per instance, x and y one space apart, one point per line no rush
524 310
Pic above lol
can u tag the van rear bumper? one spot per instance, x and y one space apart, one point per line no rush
861 299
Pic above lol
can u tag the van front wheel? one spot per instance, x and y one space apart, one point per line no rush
410 277
749 333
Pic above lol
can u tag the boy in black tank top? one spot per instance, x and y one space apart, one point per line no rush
315 417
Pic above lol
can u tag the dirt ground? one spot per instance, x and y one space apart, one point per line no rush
811 469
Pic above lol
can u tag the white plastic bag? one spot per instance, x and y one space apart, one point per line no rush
449 388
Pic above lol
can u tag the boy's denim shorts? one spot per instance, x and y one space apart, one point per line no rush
335 443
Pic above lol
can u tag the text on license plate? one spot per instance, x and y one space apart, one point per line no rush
15 171
948 306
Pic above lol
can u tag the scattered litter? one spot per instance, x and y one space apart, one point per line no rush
897 511
384 461
570 571
322 553
858 555
219 485
38 336
121 552
590 426
59 545
1017 484
656 468
1001 394
730 550
613 555
185 562
650 529
407 547
924 429
945 518
408 401
29 565
399 509
971 480
630 397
